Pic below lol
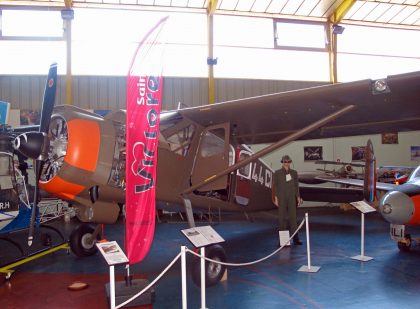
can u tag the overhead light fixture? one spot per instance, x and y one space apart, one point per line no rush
67 14
337 29
380 86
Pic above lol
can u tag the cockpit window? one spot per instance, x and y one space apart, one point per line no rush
212 144
245 171
180 141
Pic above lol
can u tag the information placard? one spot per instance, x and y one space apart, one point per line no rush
112 253
363 207
202 236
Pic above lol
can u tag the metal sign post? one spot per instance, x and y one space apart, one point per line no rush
308 268
363 207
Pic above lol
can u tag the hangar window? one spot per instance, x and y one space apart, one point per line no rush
21 23
300 35
180 141
369 52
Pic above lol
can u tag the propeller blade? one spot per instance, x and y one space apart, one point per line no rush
49 98
47 108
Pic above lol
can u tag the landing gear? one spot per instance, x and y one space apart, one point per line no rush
405 245
83 239
214 271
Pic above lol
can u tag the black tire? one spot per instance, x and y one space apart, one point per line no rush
405 246
79 241
214 272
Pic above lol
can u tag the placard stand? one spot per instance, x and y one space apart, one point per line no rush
121 291
363 207
308 268
200 237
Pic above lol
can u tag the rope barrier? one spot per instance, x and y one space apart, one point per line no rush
253 262
209 260
151 283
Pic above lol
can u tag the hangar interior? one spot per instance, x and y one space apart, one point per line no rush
221 51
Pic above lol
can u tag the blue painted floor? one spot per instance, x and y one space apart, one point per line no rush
390 280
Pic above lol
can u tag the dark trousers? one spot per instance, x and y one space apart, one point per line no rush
287 214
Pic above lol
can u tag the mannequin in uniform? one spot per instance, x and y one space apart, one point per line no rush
286 197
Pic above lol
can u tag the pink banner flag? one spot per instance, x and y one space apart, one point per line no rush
144 93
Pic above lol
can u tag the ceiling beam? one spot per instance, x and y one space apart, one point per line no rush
341 11
68 4
333 20
211 8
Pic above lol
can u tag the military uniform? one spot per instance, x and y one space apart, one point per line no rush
286 189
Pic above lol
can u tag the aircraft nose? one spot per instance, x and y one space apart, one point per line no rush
396 207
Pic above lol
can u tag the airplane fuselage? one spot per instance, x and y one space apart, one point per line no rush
86 166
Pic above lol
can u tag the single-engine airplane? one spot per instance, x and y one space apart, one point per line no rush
203 160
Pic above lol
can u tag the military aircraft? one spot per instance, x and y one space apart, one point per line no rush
203 160
400 206
394 174
346 170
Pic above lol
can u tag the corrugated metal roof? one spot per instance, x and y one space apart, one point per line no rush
393 13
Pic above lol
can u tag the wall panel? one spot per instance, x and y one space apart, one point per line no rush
108 92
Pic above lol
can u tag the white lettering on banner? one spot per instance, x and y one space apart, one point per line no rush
143 156
142 90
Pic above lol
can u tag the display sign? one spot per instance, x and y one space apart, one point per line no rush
144 93
202 236
363 207
112 253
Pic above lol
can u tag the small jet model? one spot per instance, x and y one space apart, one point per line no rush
203 160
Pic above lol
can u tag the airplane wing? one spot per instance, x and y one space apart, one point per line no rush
358 183
388 105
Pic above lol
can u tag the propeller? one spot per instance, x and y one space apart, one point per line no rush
35 145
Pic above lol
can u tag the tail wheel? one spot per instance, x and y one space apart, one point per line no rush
406 245
214 271
81 241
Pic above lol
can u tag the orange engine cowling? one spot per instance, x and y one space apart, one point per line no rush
86 163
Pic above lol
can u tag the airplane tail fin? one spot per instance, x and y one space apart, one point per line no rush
369 185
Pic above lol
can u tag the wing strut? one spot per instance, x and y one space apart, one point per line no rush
188 211
292 137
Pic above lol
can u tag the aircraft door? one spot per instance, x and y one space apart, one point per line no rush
243 179
212 157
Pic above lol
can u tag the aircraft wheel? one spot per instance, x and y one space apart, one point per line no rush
214 271
81 242
405 246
